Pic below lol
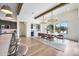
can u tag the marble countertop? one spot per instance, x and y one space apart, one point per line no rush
4 44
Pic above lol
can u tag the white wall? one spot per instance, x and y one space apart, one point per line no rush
18 26
78 21
72 18
43 28
28 29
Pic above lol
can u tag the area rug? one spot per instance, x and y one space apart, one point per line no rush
56 43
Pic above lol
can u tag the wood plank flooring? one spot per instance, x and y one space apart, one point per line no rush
37 48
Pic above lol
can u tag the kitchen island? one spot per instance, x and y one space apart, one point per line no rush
4 44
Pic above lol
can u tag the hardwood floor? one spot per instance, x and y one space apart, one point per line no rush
37 48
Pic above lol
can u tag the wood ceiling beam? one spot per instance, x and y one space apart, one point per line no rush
19 6
58 6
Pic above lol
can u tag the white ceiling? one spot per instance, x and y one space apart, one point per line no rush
65 8
32 9
29 10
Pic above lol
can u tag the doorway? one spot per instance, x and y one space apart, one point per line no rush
22 28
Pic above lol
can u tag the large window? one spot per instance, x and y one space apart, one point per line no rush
62 27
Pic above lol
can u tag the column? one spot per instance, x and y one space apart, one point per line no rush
18 36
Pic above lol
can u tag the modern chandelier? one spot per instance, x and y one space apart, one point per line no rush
6 9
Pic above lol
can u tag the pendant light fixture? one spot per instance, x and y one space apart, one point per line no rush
6 9
51 19
9 16
43 22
